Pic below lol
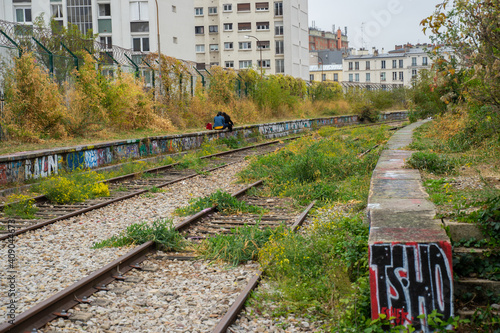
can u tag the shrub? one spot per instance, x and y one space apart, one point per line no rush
162 232
431 162
20 205
74 187
34 106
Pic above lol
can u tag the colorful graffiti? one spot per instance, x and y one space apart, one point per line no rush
41 167
409 280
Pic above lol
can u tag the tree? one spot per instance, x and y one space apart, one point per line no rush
472 29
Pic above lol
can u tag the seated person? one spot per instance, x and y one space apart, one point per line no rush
219 123
228 121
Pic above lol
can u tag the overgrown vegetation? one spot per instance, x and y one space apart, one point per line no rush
240 245
226 204
162 232
21 206
73 187
431 162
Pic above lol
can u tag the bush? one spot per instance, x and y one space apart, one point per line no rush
431 162
74 187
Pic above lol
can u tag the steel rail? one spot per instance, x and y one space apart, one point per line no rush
239 303
44 312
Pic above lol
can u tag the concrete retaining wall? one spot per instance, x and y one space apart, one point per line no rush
24 166
409 252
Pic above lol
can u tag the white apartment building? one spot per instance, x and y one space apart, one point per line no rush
386 70
124 23
268 35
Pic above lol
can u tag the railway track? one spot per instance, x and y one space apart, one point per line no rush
128 186
206 223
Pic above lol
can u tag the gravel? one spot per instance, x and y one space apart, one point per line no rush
52 258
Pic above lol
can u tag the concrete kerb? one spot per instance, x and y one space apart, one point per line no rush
409 251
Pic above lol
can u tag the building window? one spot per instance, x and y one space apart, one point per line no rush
400 76
245 45
229 64
200 48
382 76
106 41
199 30
368 78
214 47
413 73
198 11
57 11
262 25
383 64
350 65
243 7
278 8
213 28
400 63
335 77
394 64
139 11
394 76
414 61
228 27
280 48
104 10
227 8
23 15
311 77
80 14
351 78
278 28
139 26
262 6
246 26
228 45
367 65
323 77
280 66
263 45
356 77
140 44
356 65
245 64
174 9
212 10
265 63
424 61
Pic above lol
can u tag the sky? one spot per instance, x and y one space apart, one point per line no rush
373 23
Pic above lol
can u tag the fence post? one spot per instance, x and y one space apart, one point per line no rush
153 77
135 65
202 77
2 98
12 41
51 56
75 58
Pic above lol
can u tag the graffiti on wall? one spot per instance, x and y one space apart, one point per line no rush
124 152
409 280
41 167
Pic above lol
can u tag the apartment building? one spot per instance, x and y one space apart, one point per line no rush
125 23
326 73
384 70
271 36
328 40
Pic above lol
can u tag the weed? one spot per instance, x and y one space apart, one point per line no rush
121 188
431 162
225 203
162 232
147 195
231 142
74 187
240 245
191 161
155 189
20 205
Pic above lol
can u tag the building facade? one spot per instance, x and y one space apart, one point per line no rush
271 36
384 70
124 23
326 40
326 73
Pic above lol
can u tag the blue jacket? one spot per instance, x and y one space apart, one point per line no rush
219 121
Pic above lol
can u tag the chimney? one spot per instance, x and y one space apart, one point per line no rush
382 51
345 29
375 53
333 28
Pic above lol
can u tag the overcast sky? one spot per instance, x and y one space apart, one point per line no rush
385 22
